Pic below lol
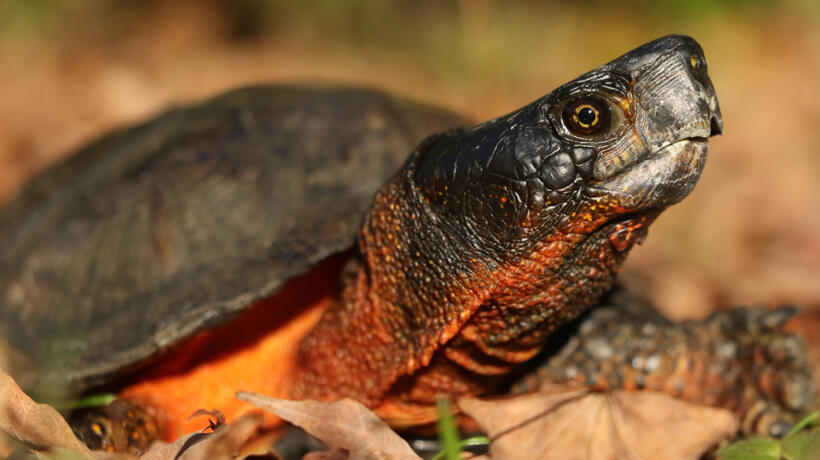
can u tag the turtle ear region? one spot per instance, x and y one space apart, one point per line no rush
436 167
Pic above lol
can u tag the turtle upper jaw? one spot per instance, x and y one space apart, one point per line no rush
663 178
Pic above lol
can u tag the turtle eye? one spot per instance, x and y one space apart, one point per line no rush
587 115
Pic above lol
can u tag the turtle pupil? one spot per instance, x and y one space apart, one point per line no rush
586 116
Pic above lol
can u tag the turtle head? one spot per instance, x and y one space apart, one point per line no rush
627 137
491 237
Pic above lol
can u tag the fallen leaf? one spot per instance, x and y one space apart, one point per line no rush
345 424
802 446
5 446
226 441
168 451
102 455
572 422
215 417
38 426
751 449
326 455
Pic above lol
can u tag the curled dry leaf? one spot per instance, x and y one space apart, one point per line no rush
326 455
227 440
215 417
170 451
5 447
225 443
38 426
571 422
345 424
102 455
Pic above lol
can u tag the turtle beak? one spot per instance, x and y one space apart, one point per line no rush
716 120
676 112
717 124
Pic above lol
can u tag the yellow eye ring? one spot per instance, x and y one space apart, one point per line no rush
694 61
586 116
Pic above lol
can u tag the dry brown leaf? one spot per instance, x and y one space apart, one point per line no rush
37 426
215 417
345 424
167 451
227 440
6 449
102 455
224 443
565 423
326 455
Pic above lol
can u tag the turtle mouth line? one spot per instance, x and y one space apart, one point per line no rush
662 178
664 153
658 164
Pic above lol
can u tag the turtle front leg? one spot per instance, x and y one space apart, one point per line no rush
121 426
740 359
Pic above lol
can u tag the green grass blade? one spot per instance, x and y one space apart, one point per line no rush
98 400
810 419
447 433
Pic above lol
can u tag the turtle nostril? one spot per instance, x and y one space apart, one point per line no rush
717 126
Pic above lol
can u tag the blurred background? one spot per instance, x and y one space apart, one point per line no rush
749 234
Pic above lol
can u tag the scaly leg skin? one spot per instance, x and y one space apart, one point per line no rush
739 359
119 427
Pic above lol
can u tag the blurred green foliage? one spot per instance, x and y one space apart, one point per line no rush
22 16
355 17
490 54
800 443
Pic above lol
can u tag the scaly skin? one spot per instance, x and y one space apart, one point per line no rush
739 359
119 427
492 237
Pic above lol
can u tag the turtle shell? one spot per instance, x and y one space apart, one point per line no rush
156 232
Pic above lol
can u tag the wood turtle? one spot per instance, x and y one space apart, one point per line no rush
264 241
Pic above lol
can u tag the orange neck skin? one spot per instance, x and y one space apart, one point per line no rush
416 320
422 316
